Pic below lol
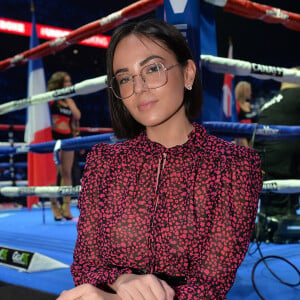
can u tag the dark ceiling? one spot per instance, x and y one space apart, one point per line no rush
253 40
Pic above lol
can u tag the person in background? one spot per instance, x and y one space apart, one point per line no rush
280 158
64 113
243 94
78 156
168 213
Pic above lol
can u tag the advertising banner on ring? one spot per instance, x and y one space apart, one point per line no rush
196 20
28 261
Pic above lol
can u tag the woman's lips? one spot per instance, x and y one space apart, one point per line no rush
146 105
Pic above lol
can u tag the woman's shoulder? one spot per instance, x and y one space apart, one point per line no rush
112 150
218 147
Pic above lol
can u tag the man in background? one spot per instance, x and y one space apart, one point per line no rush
280 158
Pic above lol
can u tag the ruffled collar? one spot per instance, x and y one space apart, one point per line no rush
142 144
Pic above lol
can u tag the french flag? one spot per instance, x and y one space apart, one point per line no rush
228 111
40 167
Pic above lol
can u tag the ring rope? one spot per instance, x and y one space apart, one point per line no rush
245 68
24 165
82 88
289 186
70 144
17 183
40 191
6 127
104 24
16 164
266 132
244 8
213 63
4 144
253 10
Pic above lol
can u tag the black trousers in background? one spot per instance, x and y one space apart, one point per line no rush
280 160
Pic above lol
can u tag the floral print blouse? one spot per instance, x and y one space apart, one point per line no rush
185 211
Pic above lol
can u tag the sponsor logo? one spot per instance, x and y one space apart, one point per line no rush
63 92
266 130
22 103
69 190
4 254
110 18
178 6
12 26
65 111
23 149
270 186
21 258
276 13
28 191
15 257
18 59
58 42
266 70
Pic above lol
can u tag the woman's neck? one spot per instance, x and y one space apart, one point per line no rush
170 134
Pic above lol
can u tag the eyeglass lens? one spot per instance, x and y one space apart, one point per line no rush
153 76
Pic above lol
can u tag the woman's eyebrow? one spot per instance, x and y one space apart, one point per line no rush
121 71
142 63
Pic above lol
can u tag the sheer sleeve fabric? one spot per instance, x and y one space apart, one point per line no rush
89 264
238 184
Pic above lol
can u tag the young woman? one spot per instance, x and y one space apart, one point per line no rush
167 214
243 95
64 113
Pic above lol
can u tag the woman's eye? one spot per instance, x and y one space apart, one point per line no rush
123 79
153 68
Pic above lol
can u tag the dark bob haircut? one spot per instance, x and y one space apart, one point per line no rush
124 125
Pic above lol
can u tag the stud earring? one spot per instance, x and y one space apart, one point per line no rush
189 87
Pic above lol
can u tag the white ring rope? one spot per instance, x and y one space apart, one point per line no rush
289 186
213 63
8 144
244 68
6 183
41 191
85 87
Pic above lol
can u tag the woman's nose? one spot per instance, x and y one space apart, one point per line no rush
139 84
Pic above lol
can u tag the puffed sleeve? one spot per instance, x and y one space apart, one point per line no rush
88 261
228 222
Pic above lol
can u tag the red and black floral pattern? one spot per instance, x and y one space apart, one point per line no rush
185 211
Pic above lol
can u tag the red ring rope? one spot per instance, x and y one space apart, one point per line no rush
247 9
111 21
268 14
6 127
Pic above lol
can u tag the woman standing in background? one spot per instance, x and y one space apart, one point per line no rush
64 114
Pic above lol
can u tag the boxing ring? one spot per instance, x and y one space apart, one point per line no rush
215 64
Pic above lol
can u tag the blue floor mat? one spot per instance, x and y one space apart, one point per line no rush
37 231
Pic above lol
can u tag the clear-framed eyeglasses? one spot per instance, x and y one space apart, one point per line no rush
153 76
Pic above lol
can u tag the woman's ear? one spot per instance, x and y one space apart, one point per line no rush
189 74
